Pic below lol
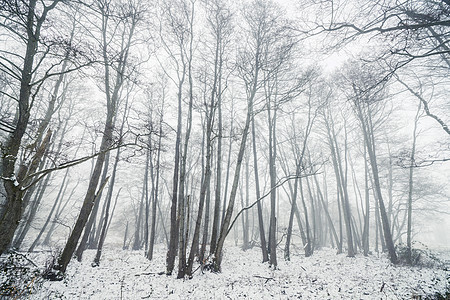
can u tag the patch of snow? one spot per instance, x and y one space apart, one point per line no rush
325 275
12 178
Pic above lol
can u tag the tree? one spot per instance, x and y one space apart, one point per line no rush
364 98
412 33
176 16
264 27
220 21
24 23
128 18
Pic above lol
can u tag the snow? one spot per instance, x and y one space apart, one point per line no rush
13 179
325 275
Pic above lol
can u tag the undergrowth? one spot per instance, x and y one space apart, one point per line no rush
19 276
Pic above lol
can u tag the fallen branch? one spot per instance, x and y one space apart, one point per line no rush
149 273
262 277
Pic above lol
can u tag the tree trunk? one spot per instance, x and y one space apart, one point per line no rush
262 235
272 174
410 189
155 188
226 222
12 211
90 224
287 254
367 128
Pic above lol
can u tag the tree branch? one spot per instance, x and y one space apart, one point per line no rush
280 183
425 105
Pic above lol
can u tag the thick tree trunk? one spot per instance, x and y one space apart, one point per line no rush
12 211
90 225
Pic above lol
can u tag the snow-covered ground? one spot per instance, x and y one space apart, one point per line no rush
325 275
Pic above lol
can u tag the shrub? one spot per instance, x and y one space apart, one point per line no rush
19 276
420 257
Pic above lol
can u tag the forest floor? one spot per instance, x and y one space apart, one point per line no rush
129 275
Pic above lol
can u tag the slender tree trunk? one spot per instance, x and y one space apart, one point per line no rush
106 219
341 181
228 165
50 215
105 226
411 189
143 204
367 206
327 214
174 221
181 208
367 128
287 255
226 222
262 235
155 189
272 171
125 238
107 138
308 246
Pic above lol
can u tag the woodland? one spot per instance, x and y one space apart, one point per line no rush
197 136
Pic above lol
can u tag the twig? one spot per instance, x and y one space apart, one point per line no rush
30 261
266 278
149 273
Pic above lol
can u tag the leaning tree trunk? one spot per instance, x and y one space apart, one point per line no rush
227 219
106 218
92 217
107 138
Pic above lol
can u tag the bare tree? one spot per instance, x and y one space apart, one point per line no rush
24 23
364 97
264 27
128 17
